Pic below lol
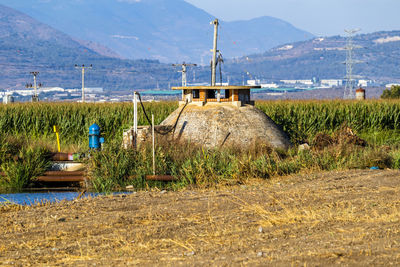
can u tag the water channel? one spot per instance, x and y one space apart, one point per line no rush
31 198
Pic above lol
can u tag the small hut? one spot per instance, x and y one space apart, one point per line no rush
201 95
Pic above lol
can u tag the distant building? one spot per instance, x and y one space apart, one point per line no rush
51 90
94 90
332 83
392 84
269 85
253 82
367 83
294 82
23 92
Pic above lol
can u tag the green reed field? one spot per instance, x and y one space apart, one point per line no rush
300 119
29 128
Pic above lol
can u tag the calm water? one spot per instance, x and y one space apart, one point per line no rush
32 198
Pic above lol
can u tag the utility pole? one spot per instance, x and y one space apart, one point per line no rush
184 74
215 50
83 79
35 97
349 88
184 71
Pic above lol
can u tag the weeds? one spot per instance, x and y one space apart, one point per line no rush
21 170
326 125
113 168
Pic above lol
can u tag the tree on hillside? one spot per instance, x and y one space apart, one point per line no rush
392 93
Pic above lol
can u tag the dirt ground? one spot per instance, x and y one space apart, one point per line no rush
348 218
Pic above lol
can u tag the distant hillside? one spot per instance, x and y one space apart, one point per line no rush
323 58
28 45
166 30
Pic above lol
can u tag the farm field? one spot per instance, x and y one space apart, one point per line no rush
341 135
300 119
348 218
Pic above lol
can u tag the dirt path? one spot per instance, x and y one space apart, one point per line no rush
346 218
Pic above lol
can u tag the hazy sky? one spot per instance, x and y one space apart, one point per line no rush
320 17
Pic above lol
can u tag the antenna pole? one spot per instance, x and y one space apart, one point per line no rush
214 58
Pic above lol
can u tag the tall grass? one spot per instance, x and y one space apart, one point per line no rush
21 171
303 119
300 119
37 120
114 168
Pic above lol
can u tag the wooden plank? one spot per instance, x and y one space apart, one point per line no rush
64 173
203 95
161 178
60 179
58 173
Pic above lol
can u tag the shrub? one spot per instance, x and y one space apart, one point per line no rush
392 93
23 169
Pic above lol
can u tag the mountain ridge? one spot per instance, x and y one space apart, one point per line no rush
167 30
324 58
28 45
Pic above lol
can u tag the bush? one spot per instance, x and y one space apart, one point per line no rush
392 93
22 170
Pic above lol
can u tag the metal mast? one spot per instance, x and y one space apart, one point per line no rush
349 88
83 79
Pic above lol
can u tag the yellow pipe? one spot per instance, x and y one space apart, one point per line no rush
58 138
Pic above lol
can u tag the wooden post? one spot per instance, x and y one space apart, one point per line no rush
154 153
135 120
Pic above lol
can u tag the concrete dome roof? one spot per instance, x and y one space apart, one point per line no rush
216 125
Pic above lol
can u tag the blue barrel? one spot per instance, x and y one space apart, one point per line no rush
94 136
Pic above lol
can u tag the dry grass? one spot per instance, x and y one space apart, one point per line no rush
349 218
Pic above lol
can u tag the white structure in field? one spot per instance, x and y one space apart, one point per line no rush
392 84
51 90
253 82
293 82
269 85
332 83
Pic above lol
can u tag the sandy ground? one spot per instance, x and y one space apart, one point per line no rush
337 218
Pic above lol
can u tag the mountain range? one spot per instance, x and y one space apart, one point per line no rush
28 45
166 30
377 56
